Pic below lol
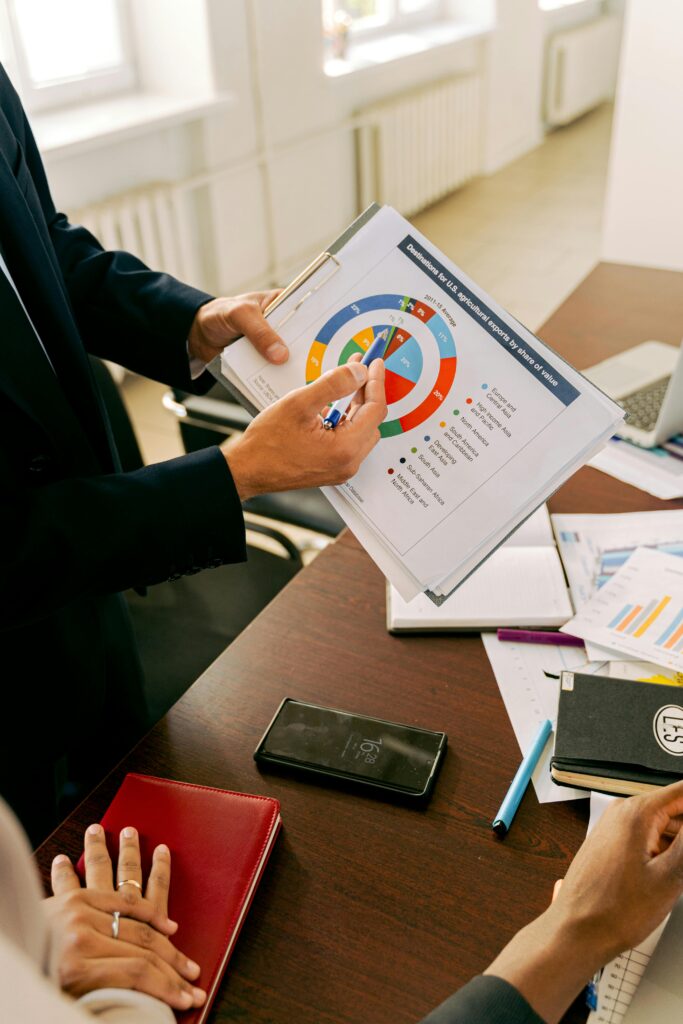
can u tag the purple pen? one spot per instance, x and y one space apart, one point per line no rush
533 636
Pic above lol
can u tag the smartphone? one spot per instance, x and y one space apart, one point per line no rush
393 758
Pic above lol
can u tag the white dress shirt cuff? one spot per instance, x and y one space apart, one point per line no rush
197 366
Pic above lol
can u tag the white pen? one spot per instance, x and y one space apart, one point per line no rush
338 408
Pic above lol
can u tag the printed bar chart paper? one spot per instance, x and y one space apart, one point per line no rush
639 610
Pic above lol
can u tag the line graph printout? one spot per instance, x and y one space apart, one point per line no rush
639 610
594 547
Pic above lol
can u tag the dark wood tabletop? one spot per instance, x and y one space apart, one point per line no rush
370 911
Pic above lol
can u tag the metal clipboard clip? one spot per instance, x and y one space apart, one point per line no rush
297 283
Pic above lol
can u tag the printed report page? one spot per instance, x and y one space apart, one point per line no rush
481 415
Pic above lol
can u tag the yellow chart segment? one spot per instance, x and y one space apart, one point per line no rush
315 360
364 338
652 616
317 351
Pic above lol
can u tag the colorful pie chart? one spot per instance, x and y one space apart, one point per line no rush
403 357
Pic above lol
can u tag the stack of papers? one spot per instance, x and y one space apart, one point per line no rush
654 470
639 611
484 422
521 584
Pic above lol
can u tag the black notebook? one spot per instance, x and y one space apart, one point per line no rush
617 735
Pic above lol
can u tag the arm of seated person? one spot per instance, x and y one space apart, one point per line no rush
624 880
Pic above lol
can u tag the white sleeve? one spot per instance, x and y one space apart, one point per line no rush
28 997
122 1006
197 366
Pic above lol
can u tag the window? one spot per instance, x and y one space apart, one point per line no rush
342 18
552 5
68 51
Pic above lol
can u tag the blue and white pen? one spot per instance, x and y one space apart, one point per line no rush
513 798
338 408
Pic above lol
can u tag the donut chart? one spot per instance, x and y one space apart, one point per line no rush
403 357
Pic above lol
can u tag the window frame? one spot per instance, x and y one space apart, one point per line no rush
397 20
79 89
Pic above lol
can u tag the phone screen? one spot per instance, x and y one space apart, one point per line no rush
339 742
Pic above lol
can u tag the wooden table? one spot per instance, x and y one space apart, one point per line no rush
368 911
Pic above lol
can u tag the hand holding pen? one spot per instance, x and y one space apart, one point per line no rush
286 446
338 408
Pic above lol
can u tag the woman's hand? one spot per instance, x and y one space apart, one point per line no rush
622 883
94 949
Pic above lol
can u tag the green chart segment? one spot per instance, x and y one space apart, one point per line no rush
402 355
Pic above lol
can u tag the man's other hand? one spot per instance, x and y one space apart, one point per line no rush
220 321
286 446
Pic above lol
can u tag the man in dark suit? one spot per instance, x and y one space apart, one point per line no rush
74 529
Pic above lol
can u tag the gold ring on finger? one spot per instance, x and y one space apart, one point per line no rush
129 881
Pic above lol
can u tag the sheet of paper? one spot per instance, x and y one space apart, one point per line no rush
514 587
639 610
659 998
620 981
652 470
646 672
594 547
625 974
481 414
523 673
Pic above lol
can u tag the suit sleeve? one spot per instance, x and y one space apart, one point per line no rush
103 534
124 311
484 1000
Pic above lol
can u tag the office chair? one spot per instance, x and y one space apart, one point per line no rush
181 627
207 419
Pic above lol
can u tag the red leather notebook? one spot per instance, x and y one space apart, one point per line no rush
219 842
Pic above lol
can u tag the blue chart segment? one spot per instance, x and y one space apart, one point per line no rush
403 353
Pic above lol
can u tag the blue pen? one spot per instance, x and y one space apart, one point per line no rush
513 797
338 408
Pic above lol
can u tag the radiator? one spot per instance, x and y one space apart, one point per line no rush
581 69
151 222
418 147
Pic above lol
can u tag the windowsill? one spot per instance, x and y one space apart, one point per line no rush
89 126
550 6
383 50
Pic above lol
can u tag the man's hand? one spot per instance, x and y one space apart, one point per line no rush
220 321
286 446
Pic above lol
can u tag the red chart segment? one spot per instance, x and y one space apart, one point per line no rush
442 386
396 387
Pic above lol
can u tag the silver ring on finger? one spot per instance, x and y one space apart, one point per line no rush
116 922
129 881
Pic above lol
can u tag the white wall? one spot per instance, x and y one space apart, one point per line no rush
284 146
644 206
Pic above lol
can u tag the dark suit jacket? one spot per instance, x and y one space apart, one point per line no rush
74 530
484 1000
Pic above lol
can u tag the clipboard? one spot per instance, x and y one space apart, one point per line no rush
416 554
331 256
